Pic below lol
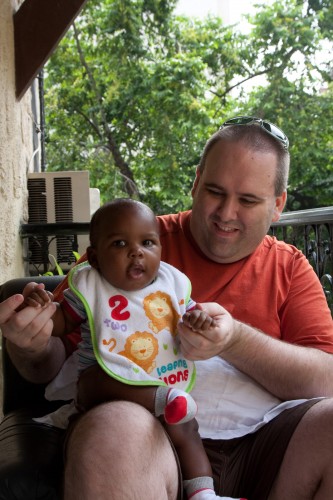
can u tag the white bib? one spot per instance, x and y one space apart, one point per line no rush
134 334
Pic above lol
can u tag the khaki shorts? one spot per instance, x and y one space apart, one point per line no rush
247 466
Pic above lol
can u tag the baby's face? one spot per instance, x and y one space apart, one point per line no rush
128 250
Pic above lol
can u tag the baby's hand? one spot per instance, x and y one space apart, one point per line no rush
206 331
198 320
35 295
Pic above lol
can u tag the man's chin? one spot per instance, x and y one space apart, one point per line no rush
225 255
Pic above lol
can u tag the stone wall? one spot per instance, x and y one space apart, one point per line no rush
16 150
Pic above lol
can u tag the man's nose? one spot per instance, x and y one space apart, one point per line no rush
228 209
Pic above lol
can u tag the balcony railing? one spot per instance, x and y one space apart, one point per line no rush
312 232
61 236
309 230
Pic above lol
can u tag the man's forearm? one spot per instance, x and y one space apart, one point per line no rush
38 367
287 371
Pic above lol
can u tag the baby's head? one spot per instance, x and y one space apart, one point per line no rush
124 243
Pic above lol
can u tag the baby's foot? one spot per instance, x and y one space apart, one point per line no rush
180 407
201 488
207 494
177 406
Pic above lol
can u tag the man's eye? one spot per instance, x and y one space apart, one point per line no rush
248 202
214 192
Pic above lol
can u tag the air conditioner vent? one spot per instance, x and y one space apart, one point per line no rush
37 200
63 199
57 197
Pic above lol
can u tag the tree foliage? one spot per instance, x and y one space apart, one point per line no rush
133 92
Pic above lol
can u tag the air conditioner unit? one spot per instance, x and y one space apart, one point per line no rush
58 197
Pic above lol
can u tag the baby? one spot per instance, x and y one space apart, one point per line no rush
128 304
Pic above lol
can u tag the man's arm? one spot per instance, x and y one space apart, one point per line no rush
38 367
287 371
36 355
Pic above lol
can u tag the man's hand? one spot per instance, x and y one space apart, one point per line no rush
37 354
8 307
28 328
206 331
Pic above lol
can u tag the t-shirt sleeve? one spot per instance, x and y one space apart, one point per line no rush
305 316
74 306
190 305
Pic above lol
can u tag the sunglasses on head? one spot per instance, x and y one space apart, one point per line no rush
269 127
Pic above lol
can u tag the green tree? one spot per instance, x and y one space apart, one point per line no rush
131 106
133 92
298 96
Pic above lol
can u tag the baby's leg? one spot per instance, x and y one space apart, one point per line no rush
174 405
195 466
142 395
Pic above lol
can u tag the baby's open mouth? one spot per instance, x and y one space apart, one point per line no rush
135 271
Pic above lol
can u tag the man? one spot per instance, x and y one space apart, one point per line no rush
279 447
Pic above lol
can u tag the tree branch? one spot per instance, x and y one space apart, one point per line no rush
129 182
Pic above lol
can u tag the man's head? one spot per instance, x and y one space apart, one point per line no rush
239 190
124 244
255 136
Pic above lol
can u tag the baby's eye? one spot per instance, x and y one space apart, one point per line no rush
148 243
119 243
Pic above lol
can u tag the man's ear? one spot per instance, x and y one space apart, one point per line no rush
280 203
196 182
92 257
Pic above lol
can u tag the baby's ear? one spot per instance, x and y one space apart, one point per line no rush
92 257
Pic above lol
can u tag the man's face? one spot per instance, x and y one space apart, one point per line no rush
128 250
234 201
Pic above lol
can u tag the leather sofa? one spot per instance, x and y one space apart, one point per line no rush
31 460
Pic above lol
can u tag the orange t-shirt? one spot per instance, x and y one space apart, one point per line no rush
274 289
